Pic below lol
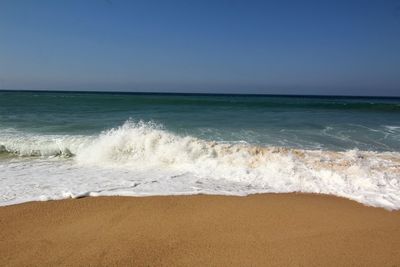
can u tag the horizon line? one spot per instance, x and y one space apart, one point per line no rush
189 93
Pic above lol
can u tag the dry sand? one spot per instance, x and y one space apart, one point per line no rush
259 230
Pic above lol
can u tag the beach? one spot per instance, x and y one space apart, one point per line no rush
199 133
200 230
126 179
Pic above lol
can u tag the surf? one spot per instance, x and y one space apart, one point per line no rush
369 177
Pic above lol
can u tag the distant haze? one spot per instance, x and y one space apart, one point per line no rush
271 47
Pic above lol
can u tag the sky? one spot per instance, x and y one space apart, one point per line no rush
219 46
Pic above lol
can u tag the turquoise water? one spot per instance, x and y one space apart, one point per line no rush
335 123
61 145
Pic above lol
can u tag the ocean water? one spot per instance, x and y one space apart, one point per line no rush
61 145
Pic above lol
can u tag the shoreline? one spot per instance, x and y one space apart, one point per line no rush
258 230
295 193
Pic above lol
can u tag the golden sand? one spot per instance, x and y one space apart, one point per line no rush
258 230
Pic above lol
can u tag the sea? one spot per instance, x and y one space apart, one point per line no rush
57 145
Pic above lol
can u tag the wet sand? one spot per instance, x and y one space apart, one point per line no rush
258 230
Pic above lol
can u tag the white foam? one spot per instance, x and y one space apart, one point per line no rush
143 159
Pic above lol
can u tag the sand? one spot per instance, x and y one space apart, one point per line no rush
258 230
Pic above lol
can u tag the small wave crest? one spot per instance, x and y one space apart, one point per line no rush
20 144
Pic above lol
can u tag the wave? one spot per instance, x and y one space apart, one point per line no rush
275 103
30 145
121 100
372 178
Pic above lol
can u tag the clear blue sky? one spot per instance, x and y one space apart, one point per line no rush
287 47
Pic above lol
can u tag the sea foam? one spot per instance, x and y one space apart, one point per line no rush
145 159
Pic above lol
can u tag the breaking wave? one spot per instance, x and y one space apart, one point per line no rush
372 178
